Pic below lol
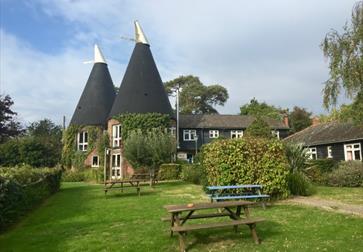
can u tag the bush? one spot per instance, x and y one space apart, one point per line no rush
73 176
193 173
21 188
299 184
318 170
169 171
247 161
348 174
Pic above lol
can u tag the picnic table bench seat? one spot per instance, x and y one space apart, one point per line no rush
199 216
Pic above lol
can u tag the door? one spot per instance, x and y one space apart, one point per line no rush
116 171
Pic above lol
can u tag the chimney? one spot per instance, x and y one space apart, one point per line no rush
286 121
315 121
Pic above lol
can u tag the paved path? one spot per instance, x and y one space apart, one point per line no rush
330 205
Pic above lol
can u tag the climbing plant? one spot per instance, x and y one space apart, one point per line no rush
143 122
71 157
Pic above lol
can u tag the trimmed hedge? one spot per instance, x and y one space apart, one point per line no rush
21 188
169 171
193 173
349 173
247 161
87 174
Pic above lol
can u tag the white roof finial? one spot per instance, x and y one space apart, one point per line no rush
99 56
139 34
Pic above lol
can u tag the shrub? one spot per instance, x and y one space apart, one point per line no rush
247 161
193 173
318 170
73 176
297 157
299 184
348 174
21 188
169 171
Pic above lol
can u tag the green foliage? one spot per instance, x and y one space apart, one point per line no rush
27 150
297 157
149 149
247 161
96 139
193 173
259 128
169 171
9 126
21 188
143 122
195 97
255 108
299 119
88 175
299 184
349 173
345 53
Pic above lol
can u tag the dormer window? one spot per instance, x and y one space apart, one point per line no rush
116 135
82 141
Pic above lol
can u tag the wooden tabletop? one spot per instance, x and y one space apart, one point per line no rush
123 180
207 205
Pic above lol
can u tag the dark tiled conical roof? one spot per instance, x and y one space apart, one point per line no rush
141 90
98 96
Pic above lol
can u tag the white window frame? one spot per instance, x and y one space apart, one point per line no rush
236 134
353 147
189 135
98 161
82 146
275 133
116 135
312 151
213 133
116 170
329 151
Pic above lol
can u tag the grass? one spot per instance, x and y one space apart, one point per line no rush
81 218
349 195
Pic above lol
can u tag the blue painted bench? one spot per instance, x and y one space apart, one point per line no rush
219 193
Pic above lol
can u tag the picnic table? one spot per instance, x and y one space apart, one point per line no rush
233 192
112 184
178 221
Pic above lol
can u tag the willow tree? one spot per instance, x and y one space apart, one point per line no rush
345 54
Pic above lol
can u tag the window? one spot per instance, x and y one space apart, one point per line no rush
352 151
82 141
236 133
116 135
330 152
95 161
116 158
213 133
312 153
173 131
275 133
189 135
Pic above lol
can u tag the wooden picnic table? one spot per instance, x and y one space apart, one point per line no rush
112 184
178 221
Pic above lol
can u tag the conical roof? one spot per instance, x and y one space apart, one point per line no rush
98 95
141 90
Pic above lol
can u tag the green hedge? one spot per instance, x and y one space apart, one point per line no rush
169 171
87 174
193 173
247 161
348 174
21 188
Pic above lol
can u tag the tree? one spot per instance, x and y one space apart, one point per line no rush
149 149
255 108
259 128
9 127
195 97
345 54
299 119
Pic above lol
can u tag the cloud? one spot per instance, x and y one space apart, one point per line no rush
268 50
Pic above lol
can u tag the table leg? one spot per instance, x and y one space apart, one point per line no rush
246 211
122 187
254 234
180 234
138 188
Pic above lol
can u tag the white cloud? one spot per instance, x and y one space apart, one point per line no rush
265 49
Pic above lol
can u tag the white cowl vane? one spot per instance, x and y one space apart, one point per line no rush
139 34
98 55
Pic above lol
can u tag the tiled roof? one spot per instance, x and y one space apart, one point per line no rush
217 121
326 133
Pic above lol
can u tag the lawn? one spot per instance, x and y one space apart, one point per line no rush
81 218
349 195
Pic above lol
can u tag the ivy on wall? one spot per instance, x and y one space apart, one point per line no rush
71 157
143 122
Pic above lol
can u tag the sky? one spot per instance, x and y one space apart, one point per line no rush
267 49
